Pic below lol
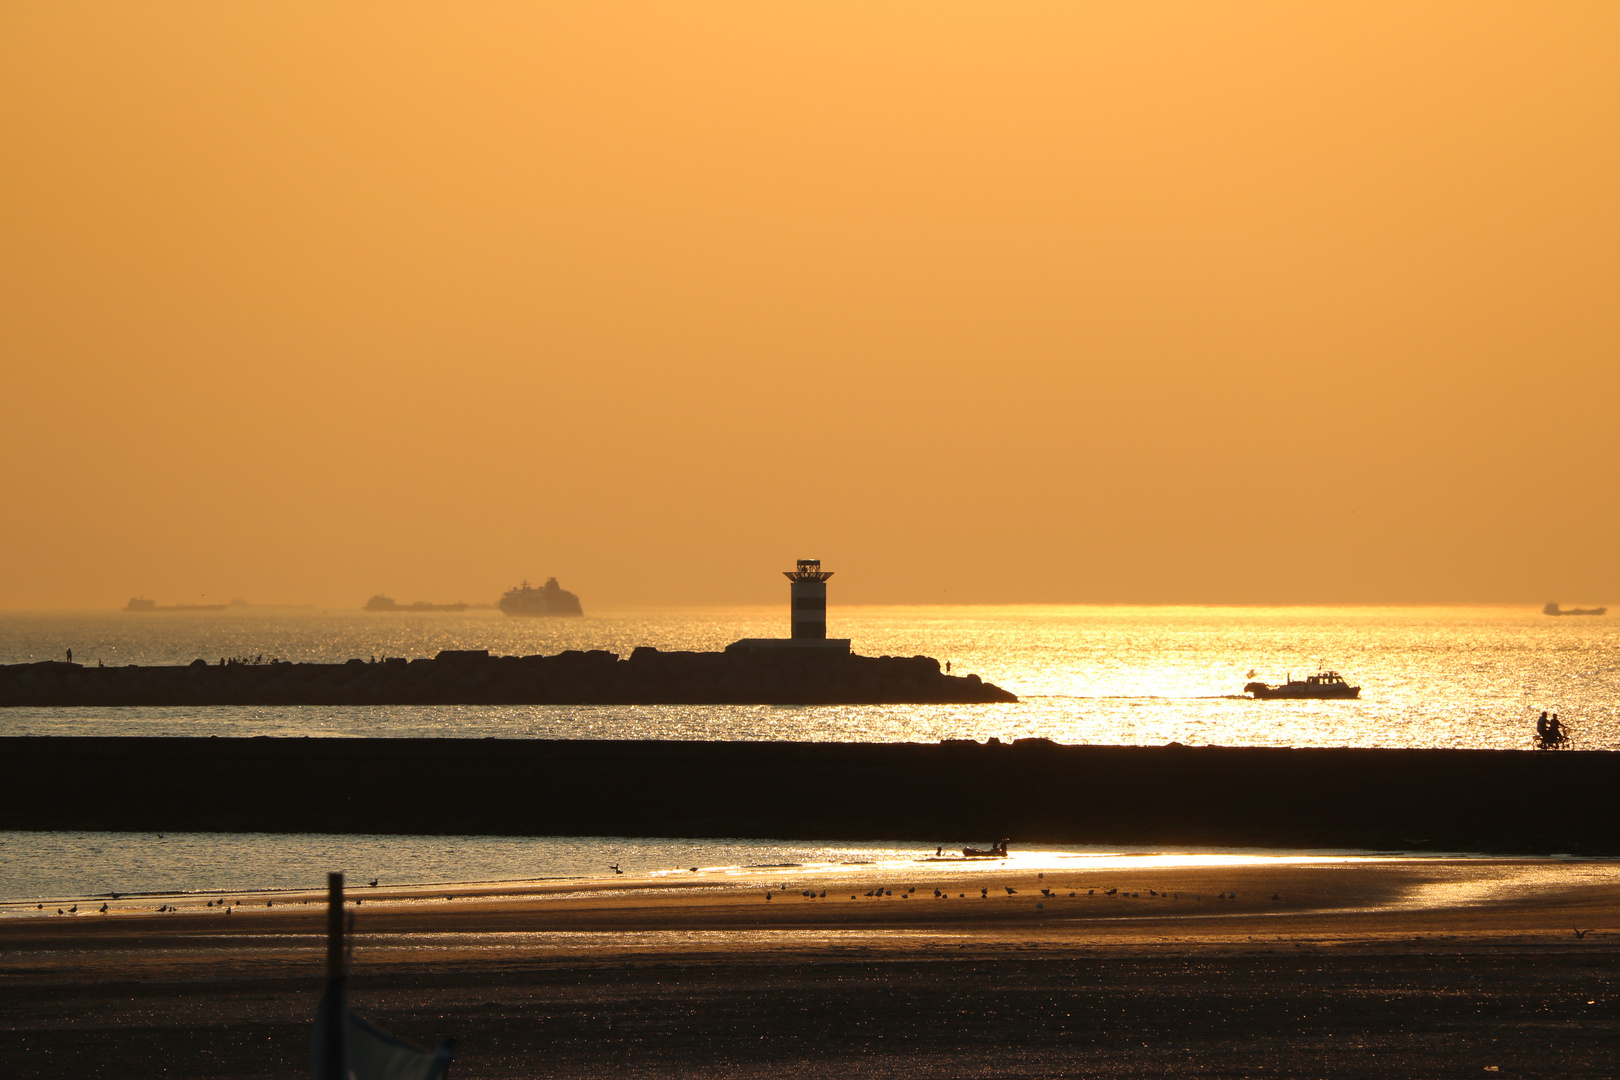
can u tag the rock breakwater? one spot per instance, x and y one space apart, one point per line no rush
474 677
1032 790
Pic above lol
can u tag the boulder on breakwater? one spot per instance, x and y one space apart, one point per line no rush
474 677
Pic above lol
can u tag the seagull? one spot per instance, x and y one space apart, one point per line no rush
72 909
615 868
1580 933
373 883
104 909
1010 890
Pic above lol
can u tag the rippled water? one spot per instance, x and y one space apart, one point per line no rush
1430 677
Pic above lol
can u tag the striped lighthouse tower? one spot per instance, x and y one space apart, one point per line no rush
809 599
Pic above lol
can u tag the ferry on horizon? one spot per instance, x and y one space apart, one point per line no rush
1324 684
549 599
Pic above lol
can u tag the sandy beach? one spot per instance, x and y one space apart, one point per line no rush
1442 967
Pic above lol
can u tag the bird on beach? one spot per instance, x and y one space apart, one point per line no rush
104 909
1579 933
372 883
611 866
984 893
73 909
1010 890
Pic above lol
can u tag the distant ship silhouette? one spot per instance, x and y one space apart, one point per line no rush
1554 609
388 603
549 599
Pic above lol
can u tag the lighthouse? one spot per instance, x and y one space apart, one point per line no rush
807 617
809 591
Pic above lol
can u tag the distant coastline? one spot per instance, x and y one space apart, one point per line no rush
387 603
141 603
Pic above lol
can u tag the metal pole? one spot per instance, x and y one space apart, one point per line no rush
335 1067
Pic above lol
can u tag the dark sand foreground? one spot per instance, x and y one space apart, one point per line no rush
1400 968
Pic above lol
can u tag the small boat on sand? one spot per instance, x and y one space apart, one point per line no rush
1324 684
995 851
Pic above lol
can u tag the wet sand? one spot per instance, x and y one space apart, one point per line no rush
1405 968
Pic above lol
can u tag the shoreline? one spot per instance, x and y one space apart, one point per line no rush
1057 863
1355 969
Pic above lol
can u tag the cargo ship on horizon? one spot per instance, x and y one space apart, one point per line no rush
1554 609
388 603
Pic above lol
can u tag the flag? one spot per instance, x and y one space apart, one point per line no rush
373 1054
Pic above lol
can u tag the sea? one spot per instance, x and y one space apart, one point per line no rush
1466 677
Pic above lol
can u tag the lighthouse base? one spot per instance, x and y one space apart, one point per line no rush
830 646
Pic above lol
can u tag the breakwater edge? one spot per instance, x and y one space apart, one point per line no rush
1033 791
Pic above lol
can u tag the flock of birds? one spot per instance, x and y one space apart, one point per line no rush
171 909
984 894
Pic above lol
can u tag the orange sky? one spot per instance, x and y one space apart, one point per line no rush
1262 303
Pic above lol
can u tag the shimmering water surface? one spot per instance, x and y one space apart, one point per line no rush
1430 677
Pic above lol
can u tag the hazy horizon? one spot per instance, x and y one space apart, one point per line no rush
1190 304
